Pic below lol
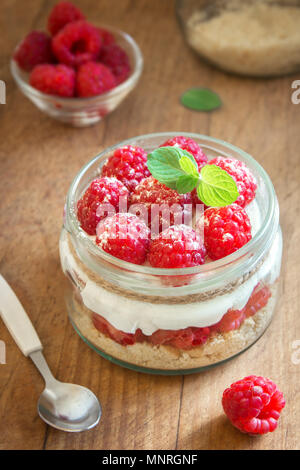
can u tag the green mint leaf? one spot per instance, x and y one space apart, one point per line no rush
216 187
177 169
186 183
164 164
201 99
188 166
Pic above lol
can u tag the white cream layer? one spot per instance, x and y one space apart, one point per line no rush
128 315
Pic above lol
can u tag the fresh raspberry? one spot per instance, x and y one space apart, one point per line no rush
125 339
178 246
53 79
163 205
259 299
128 164
241 174
181 339
76 43
34 49
253 404
94 79
114 57
124 236
61 14
226 229
232 320
100 191
190 146
107 38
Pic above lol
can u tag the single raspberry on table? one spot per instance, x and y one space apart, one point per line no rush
190 146
241 174
128 164
163 206
100 191
94 79
114 57
53 79
76 43
253 404
124 236
61 14
35 49
178 246
226 229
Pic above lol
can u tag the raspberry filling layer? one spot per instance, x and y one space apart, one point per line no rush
191 337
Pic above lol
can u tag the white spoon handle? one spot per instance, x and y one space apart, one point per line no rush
17 320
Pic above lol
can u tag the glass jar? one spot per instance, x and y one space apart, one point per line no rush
139 316
248 37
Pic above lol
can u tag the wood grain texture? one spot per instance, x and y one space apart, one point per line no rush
39 158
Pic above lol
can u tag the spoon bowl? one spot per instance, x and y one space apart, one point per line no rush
69 407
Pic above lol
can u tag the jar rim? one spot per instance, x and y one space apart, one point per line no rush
234 260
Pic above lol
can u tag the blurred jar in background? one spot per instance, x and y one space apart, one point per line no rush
248 37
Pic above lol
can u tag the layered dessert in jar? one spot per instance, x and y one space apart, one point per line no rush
172 246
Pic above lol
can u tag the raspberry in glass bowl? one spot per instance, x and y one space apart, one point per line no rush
187 297
88 107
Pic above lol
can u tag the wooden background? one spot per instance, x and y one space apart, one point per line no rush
40 157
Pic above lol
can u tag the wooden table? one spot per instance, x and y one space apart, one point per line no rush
39 158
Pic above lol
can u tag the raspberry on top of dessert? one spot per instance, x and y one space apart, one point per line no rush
178 246
190 145
124 236
104 190
226 229
242 175
178 243
128 164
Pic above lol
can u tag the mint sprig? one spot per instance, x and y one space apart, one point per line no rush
177 169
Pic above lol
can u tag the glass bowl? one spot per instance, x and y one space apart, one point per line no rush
82 112
258 38
109 300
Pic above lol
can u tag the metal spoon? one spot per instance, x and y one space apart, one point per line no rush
67 407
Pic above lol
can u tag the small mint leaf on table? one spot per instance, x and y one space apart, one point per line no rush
216 188
177 169
201 99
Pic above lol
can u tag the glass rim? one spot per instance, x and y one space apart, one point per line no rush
133 77
230 260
